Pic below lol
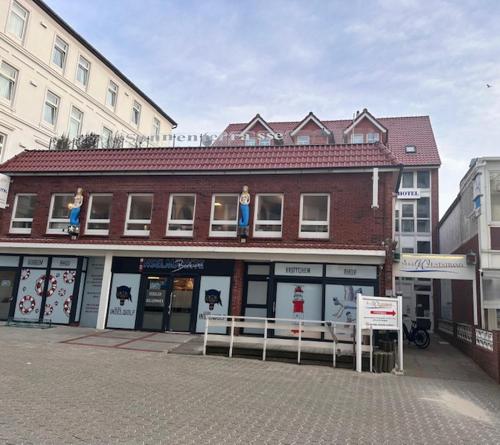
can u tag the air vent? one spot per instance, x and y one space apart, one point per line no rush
411 149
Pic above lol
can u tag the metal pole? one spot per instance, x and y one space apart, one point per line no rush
371 349
400 332
206 337
358 334
265 341
232 338
300 341
334 347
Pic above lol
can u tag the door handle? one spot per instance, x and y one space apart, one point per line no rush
172 296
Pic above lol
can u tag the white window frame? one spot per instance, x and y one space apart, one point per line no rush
491 222
56 220
113 88
56 106
14 81
156 128
250 142
14 219
80 65
80 122
180 233
136 106
105 129
3 140
218 233
372 137
267 234
99 221
137 221
314 235
57 44
24 19
353 137
301 138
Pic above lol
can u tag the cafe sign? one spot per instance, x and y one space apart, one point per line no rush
448 267
171 264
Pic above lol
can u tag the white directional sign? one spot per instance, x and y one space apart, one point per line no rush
378 313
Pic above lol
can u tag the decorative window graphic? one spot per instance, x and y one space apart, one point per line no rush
214 300
340 301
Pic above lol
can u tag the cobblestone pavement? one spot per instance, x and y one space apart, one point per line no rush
63 393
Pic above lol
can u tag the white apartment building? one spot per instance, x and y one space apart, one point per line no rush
472 224
53 82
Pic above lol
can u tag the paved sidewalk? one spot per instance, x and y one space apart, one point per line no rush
63 393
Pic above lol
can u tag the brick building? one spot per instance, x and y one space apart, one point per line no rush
412 142
159 245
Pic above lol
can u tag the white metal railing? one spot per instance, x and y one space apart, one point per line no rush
339 336
446 326
464 332
484 339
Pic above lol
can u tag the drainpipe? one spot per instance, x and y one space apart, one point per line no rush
375 189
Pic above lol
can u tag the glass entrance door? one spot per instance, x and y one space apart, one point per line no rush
7 279
154 303
181 302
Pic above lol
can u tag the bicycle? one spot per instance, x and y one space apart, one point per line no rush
416 335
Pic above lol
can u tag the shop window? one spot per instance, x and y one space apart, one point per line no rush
407 180
22 215
314 215
495 196
224 215
268 216
407 218
59 213
181 215
423 180
139 209
99 214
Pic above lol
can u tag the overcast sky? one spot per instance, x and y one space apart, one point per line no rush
208 63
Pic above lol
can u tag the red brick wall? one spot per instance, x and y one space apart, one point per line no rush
237 288
353 222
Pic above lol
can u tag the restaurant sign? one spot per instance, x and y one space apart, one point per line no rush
171 264
449 267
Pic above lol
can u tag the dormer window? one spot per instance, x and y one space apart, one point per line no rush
371 138
410 149
250 142
357 138
303 139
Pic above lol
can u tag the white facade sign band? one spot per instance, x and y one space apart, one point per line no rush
409 194
448 267
64 262
4 190
351 271
298 269
35 261
9 261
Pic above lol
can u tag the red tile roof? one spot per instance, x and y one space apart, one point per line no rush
200 159
402 131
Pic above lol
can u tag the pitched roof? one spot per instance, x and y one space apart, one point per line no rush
402 131
200 159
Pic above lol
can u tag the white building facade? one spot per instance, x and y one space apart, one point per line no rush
472 224
53 83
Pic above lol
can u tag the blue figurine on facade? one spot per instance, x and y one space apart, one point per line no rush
244 213
74 212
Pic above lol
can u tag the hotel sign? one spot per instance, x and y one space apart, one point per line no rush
447 267
409 194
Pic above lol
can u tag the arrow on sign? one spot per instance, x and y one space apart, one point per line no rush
393 312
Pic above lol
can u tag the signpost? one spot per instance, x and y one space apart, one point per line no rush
378 313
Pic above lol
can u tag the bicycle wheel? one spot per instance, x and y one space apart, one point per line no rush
422 339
